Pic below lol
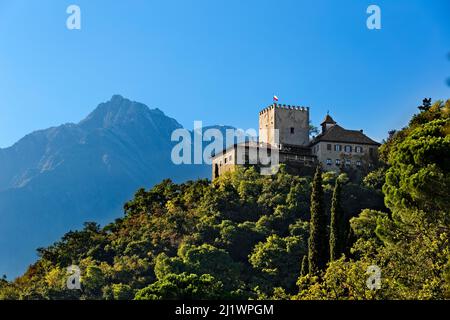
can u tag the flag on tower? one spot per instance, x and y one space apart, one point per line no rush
275 98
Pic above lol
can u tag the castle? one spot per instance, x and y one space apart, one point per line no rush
286 129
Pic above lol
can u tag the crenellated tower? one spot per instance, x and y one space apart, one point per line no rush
292 123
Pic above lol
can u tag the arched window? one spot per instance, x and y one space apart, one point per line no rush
216 170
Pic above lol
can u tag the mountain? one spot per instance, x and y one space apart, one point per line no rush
53 180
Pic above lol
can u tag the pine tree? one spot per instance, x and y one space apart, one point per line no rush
318 240
336 225
304 270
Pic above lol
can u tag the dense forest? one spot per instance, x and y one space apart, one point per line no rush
247 236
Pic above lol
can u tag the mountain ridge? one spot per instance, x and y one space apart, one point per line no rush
57 178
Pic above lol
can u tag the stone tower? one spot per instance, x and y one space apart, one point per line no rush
292 123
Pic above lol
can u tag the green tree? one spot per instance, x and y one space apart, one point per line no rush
183 286
337 223
410 244
93 281
305 268
204 259
318 240
418 177
277 260
375 179
122 291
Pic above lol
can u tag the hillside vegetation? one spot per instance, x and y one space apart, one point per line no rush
247 236
66 175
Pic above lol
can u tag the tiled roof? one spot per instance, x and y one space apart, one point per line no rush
328 119
338 134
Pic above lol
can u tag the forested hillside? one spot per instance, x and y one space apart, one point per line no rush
247 236
53 180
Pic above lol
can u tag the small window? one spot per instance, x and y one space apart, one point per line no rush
371 151
348 148
338 162
329 162
359 149
329 147
347 162
337 147
216 170
358 163
292 130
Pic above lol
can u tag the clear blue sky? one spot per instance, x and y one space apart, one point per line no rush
220 61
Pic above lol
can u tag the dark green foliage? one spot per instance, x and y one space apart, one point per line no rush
183 286
277 259
410 242
318 239
426 104
419 164
250 236
72 246
375 179
305 267
245 230
204 259
337 235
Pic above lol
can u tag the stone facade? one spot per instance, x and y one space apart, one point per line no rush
224 162
340 155
292 123
248 154
339 149
286 130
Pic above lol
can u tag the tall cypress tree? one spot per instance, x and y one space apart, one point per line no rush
318 240
336 225
304 270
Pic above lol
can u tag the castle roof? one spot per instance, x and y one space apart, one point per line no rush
338 134
246 144
328 119
279 106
